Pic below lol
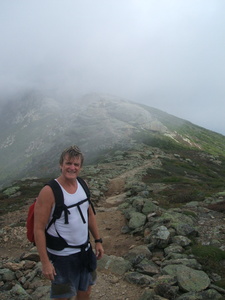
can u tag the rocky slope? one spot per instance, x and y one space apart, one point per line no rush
148 245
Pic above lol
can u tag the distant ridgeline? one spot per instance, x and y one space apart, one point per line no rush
35 129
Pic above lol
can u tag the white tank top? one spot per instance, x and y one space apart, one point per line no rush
76 232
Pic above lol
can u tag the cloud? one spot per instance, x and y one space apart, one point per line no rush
167 54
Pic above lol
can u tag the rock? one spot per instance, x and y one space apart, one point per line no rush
167 291
137 220
138 278
116 265
186 229
181 240
183 224
191 280
148 294
137 254
173 248
204 295
20 293
31 256
7 275
14 266
192 263
166 279
147 267
160 236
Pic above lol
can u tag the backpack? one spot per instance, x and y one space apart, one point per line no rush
57 243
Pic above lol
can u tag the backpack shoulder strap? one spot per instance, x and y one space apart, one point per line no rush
57 191
59 202
87 191
84 186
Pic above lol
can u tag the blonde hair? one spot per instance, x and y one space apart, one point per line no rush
72 151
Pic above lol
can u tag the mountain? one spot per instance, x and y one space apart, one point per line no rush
35 129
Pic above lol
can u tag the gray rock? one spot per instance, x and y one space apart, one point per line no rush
173 248
183 224
167 291
137 254
149 207
148 267
138 278
191 280
117 265
20 293
166 279
181 240
186 229
148 295
137 220
7 275
209 294
189 262
160 236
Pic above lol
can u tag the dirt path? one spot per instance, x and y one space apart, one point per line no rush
111 286
110 221
116 185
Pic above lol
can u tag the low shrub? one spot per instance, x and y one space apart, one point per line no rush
210 258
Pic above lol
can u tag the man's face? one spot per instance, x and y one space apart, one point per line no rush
71 167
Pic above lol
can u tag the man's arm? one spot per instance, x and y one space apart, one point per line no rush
93 227
42 211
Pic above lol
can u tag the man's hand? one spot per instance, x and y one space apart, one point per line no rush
48 270
99 250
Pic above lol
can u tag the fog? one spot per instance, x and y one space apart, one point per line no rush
166 54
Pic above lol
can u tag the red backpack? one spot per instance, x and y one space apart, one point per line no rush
30 223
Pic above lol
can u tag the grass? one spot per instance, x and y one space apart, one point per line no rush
28 189
191 176
220 206
210 258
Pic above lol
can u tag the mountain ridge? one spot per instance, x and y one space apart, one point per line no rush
36 128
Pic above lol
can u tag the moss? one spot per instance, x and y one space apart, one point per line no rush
11 190
189 213
220 283
210 258
208 252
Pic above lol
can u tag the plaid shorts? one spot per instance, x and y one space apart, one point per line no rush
71 276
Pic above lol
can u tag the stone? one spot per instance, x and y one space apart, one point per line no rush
116 265
181 240
191 280
137 220
137 254
138 278
173 248
147 267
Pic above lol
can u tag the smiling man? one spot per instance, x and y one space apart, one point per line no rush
69 267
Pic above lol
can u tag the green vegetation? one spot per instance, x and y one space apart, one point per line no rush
210 258
208 253
155 139
188 176
221 283
19 194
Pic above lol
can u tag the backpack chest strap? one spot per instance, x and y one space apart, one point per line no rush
79 209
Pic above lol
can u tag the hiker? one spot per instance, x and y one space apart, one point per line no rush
70 269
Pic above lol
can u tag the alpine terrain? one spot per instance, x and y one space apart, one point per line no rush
157 183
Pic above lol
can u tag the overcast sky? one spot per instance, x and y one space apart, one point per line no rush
168 54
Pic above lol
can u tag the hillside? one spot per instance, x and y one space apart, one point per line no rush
135 177
35 129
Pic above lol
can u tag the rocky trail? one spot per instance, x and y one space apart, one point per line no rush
110 286
110 221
